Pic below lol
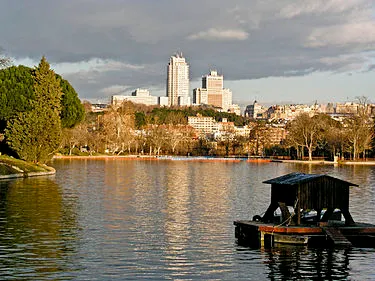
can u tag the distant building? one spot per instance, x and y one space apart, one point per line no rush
234 108
210 128
203 124
213 92
277 134
347 108
178 81
141 96
200 96
254 111
163 101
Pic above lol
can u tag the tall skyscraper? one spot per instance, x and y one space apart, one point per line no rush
178 81
213 92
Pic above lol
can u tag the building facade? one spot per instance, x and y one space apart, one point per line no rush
213 92
141 96
178 81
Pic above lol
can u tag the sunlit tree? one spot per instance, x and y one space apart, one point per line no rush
36 134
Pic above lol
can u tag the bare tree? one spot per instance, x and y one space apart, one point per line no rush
118 128
156 136
359 129
259 138
305 130
75 137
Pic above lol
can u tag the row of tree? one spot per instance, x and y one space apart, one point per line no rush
352 137
120 131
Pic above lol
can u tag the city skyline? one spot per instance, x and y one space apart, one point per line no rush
274 51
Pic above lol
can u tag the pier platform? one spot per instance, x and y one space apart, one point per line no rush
258 234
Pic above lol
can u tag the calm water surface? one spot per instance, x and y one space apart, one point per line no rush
163 220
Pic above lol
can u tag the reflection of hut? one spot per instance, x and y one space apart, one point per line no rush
308 192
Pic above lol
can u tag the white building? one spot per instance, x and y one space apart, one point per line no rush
203 124
138 96
178 81
163 101
227 100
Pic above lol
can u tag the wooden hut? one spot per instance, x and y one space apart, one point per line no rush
308 192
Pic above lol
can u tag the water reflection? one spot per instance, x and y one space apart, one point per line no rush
37 230
161 220
298 263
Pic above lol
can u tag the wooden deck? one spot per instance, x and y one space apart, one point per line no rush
265 234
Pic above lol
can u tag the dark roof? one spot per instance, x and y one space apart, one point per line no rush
298 178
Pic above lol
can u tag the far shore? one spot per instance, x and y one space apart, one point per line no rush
232 158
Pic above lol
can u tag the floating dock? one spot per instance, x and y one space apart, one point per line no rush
258 234
297 196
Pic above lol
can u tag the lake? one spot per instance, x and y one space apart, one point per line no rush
163 220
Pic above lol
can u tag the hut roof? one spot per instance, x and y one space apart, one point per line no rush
298 178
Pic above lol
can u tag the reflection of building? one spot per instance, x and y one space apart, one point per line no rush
178 81
213 92
138 96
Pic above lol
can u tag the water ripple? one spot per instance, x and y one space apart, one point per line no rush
130 220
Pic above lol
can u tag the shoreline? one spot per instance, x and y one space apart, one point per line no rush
203 158
11 168
22 174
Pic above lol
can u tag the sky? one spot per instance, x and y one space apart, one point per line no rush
274 51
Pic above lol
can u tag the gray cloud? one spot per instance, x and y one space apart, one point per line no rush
104 46
220 35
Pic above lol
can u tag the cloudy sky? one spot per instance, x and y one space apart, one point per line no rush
269 50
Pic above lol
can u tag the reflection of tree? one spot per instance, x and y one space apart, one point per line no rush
35 227
299 263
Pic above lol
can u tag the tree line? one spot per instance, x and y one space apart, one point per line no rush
352 138
140 129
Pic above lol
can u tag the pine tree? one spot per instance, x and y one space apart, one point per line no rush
34 135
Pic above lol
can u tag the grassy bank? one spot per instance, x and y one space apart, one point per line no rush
11 167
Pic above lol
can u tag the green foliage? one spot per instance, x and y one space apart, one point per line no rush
140 120
35 134
72 109
10 165
17 91
166 115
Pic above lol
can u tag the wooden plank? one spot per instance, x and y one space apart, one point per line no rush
337 238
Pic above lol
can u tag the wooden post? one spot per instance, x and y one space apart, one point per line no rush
299 205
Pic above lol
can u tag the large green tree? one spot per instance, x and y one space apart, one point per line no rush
72 111
17 90
35 134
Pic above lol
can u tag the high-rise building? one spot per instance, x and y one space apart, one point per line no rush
178 81
213 92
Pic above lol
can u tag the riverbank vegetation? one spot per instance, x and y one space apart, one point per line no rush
41 115
139 129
